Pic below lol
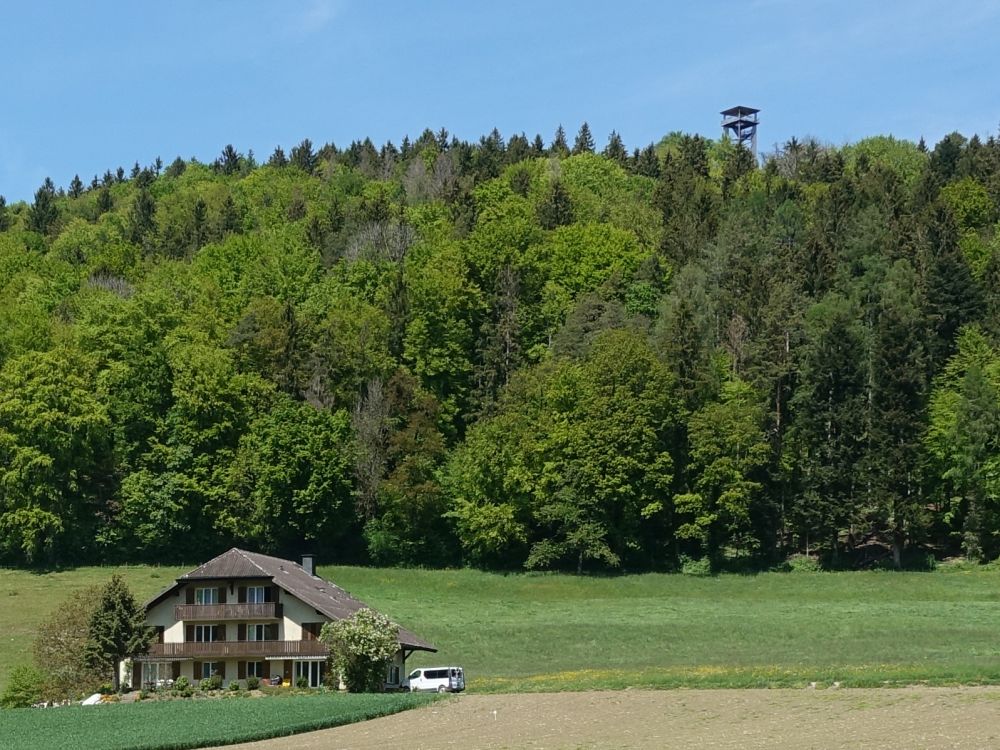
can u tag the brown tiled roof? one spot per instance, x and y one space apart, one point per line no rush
324 596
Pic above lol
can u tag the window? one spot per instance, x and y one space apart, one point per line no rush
206 596
255 594
208 668
206 633
414 674
313 671
393 677
257 633
256 669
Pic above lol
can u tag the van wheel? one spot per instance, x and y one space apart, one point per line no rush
442 689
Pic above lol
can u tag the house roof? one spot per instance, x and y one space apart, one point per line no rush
324 596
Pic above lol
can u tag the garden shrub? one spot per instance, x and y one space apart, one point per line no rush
25 688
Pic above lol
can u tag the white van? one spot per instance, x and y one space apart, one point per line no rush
441 679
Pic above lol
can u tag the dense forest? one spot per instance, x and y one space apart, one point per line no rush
508 354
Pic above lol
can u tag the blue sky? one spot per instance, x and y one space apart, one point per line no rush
89 86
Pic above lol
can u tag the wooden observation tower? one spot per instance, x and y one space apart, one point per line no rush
742 123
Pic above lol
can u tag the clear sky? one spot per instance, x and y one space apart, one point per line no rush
92 85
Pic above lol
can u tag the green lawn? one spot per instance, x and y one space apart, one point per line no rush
174 725
541 632
537 632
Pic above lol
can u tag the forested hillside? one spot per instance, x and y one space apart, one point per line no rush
508 354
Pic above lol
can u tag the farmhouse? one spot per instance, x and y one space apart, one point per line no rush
244 614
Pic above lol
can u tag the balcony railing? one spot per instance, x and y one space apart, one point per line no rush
226 649
217 612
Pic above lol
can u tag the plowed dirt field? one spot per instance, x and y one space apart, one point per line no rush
745 719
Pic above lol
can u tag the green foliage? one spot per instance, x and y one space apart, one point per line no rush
253 682
60 647
213 682
187 356
177 725
803 564
361 647
729 451
25 687
117 628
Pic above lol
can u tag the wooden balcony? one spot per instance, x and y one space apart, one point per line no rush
236 649
220 612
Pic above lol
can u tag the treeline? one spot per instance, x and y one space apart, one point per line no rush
508 354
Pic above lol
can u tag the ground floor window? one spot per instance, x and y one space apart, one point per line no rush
312 671
393 677
156 673
208 668
256 669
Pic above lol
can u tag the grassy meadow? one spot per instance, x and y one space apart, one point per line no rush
561 632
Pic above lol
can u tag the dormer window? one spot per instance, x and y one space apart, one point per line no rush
206 596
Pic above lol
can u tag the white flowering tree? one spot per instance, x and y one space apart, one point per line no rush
361 648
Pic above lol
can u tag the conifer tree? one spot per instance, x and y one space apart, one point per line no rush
615 150
4 218
557 208
828 412
76 187
43 212
230 221
584 143
647 163
538 146
278 158
953 296
142 223
176 168
117 629
559 148
229 161
135 171
104 201
303 156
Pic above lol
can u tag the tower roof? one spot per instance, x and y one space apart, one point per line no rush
739 111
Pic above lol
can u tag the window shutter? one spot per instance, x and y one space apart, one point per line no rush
241 632
271 633
136 675
189 594
241 595
175 669
222 594
241 670
222 669
197 670
189 636
288 671
222 632
159 634
268 594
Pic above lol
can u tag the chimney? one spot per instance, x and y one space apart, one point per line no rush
309 564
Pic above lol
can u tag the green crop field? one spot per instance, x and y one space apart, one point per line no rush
174 725
547 631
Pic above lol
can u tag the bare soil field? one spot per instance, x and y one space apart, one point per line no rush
917 717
